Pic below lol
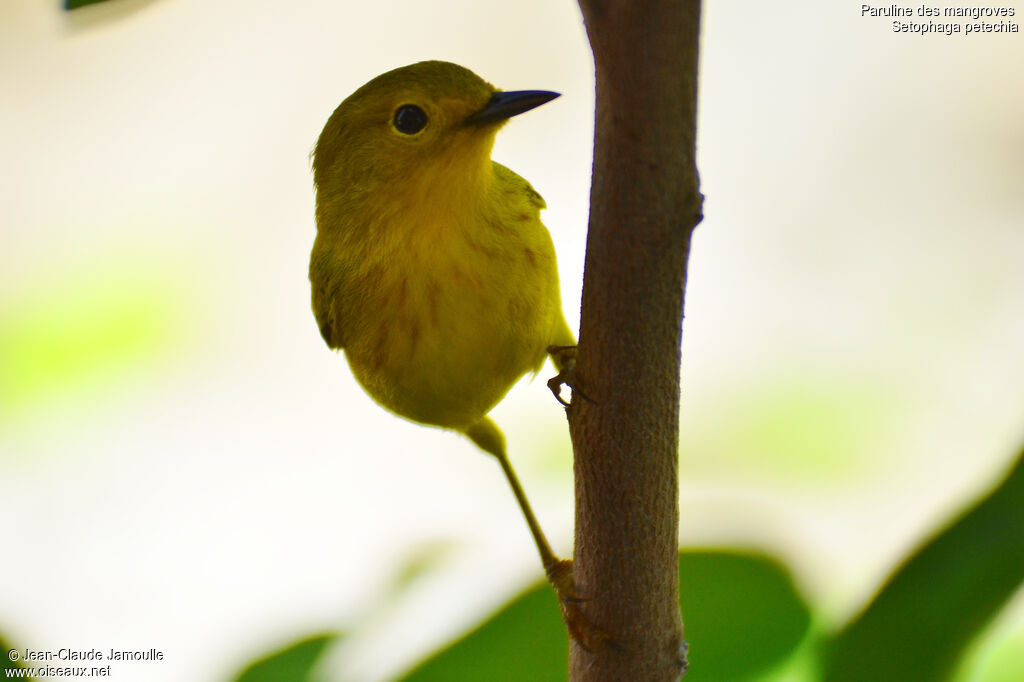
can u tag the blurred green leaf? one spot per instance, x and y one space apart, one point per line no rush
422 559
81 333
1002 661
6 663
783 424
742 614
294 663
918 626
524 641
75 4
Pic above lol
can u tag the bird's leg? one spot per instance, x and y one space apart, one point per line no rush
564 358
553 566
558 571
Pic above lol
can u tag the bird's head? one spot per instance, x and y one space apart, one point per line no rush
426 125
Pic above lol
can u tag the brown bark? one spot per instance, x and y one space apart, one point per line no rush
645 202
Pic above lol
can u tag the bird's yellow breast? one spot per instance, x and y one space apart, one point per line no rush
449 299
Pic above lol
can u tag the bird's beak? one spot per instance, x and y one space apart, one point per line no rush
507 104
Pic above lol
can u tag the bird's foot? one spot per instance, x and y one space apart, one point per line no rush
565 359
581 629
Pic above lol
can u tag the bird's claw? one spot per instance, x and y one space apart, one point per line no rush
566 360
581 629
555 385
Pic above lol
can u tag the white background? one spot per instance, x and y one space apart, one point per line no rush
206 478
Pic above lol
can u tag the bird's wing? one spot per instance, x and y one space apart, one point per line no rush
328 284
520 185
322 309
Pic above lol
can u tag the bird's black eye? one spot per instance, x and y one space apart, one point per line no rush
409 119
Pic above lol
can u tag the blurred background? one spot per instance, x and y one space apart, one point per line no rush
185 466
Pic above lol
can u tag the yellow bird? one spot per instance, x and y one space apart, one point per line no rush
431 268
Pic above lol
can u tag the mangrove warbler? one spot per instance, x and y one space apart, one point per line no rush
431 267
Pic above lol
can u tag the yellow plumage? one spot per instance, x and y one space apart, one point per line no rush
431 267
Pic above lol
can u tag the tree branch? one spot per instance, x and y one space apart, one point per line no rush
644 203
